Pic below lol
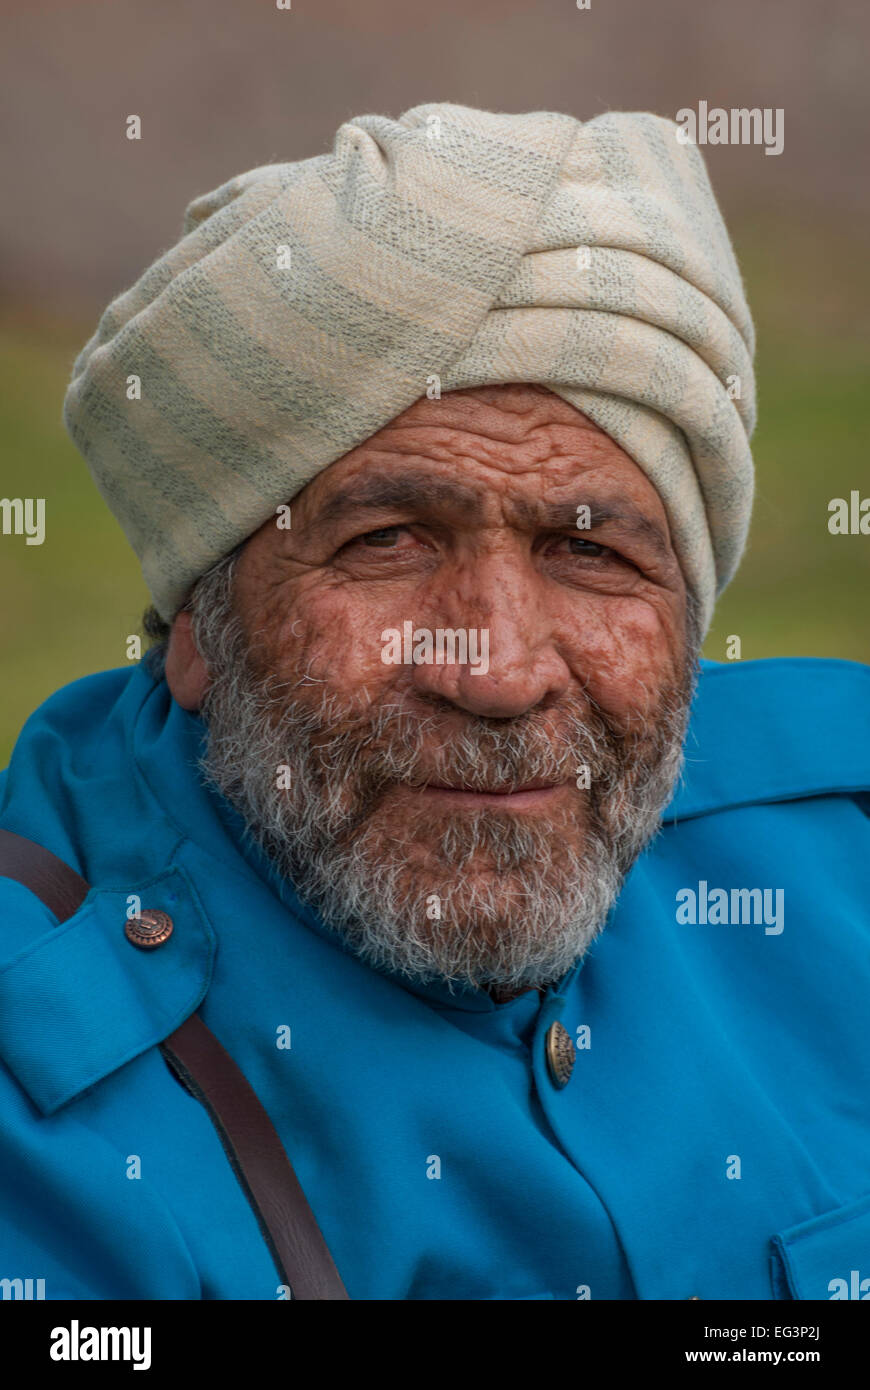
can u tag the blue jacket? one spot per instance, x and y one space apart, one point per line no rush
714 1137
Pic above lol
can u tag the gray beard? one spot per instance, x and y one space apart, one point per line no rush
485 898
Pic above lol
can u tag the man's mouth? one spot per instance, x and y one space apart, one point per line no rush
509 798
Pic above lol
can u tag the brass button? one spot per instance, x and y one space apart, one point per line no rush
149 929
560 1055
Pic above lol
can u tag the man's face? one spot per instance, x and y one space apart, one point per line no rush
463 821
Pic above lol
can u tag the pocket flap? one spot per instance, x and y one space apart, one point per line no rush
826 1258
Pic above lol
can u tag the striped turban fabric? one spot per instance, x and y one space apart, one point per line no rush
308 304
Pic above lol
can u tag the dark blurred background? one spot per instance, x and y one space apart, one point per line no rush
224 85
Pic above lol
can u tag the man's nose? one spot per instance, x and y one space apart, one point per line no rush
502 623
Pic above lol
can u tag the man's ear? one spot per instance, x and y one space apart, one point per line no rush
186 672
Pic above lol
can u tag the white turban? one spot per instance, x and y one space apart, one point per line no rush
308 304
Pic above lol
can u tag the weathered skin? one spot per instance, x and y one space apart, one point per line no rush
318 596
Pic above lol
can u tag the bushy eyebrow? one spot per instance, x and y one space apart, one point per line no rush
409 492
415 492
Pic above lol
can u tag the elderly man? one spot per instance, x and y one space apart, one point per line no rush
364 940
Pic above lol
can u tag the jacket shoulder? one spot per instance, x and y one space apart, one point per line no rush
775 730
83 981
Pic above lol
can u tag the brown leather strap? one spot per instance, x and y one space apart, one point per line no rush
60 887
259 1161
207 1070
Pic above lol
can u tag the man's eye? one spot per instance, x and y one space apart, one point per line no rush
386 536
581 546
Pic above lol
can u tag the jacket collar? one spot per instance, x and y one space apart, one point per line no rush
773 730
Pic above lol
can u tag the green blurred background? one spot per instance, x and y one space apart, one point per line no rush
223 87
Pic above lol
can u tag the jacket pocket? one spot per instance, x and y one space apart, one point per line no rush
825 1258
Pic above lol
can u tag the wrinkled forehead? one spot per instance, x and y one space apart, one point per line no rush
520 449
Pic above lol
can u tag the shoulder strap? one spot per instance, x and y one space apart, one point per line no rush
258 1159
61 889
207 1070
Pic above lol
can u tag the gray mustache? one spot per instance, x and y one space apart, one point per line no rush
480 757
